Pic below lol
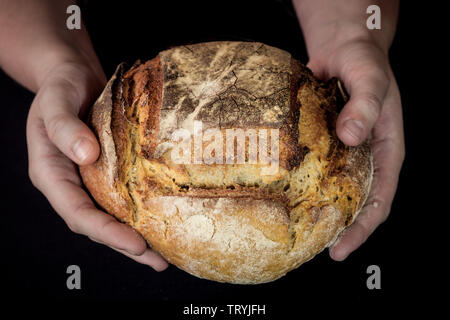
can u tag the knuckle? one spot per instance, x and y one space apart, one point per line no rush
381 76
75 222
369 70
104 229
377 71
56 124
372 105
364 231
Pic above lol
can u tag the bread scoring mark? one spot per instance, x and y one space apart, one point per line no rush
108 150
224 85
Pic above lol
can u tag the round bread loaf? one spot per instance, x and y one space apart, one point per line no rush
227 220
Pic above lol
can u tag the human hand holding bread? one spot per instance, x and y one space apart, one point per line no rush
340 45
67 78
71 83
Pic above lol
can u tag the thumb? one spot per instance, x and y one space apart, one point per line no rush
367 90
60 101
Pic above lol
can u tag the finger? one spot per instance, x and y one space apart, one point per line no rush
60 101
80 214
367 86
149 257
388 153
56 177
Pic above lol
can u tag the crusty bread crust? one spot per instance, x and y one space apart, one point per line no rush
227 222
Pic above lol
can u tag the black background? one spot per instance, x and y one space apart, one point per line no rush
37 247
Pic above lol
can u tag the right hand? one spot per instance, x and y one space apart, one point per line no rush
57 141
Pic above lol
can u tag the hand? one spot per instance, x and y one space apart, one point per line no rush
58 140
373 111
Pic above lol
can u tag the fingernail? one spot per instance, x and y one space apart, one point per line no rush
81 149
355 129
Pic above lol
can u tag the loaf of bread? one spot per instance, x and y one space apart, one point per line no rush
246 221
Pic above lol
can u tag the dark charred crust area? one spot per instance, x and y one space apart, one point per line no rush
334 104
133 110
337 149
120 128
231 191
119 125
143 102
104 107
298 152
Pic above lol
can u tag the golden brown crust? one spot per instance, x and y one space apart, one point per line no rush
227 222
101 178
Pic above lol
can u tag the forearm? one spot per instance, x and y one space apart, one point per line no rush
340 21
34 39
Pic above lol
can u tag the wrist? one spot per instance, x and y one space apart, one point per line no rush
325 40
63 59
76 75
333 23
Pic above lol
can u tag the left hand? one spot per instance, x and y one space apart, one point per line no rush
373 111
